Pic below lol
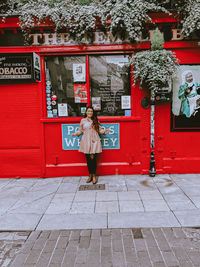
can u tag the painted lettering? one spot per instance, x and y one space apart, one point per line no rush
78 142
6 71
99 38
70 142
17 70
112 131
109 141
105 142
69 130
50 39
36 37
113 141
177 34
76 129
64 38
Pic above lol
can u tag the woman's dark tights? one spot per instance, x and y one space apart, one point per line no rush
91 163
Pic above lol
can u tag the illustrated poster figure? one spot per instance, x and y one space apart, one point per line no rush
189 95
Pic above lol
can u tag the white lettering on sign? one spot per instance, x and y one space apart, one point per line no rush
2 58
109 140
106 142
113 141
69 130
49 39
70 142
17 70
112 131
79 141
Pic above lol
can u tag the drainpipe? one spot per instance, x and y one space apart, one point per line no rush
152 169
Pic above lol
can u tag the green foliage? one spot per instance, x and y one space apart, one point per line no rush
157 40
154 68
84 2
79 16
129 15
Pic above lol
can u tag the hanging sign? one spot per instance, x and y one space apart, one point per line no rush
19 68
110 140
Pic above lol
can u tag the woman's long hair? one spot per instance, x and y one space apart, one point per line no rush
94 118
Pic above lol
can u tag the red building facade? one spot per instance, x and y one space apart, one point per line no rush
39 113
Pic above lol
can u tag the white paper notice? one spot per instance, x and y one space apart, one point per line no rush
62 110
96 103
79 72
126 101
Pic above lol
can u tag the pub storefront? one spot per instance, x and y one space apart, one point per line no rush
47 83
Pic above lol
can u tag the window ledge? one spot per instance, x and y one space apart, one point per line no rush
101 119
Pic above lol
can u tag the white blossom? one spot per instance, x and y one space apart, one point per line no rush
154 68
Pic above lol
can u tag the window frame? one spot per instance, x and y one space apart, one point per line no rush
77 119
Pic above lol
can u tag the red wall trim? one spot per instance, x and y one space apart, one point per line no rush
97 48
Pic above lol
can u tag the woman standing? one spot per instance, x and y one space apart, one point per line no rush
90 143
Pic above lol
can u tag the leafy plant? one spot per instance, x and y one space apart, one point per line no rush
130 15
79 16
156 67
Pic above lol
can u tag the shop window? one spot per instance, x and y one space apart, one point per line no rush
106 86
110 85
61 83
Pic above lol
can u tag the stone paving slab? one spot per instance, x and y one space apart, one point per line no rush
142 219
32 201
19 222
73 221
138 247
188 217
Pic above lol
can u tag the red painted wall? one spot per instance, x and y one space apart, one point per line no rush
131 158
30 144
20 143
176 152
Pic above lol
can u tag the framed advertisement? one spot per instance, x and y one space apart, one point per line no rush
185 115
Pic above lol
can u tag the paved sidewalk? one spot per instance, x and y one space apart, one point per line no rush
128 201
156 247
10 244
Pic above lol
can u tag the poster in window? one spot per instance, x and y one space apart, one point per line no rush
80 93
62 110
37 68
126 101
79 73
96 103
186 98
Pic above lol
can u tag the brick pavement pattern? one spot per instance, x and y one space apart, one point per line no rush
133 247
10 244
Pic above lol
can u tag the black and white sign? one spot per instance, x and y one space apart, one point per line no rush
19 68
